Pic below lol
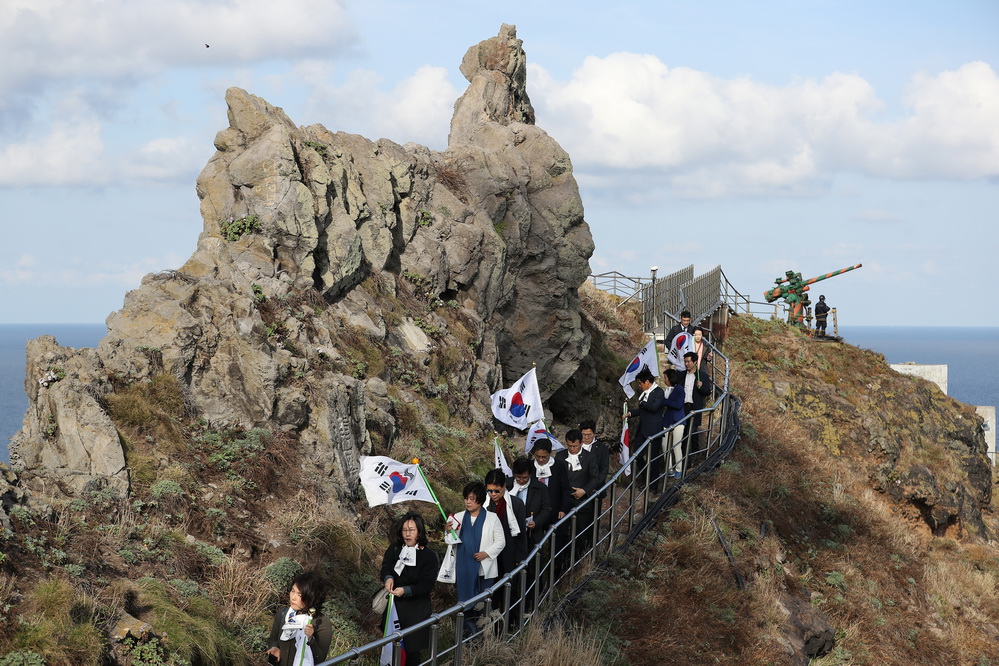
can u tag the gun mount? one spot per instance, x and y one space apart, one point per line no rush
793 292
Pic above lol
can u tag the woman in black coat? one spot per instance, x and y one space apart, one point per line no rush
301 624
409 571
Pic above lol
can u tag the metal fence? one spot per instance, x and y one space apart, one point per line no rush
622 508
663 295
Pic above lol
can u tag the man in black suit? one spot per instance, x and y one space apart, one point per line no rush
685 326
553 475
597 448
582 469
650 422
537 501
697 386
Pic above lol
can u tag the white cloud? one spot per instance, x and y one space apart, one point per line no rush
166 159
81 274
72 153
56 39
704 136
417 109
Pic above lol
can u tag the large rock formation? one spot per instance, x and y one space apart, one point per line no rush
314 239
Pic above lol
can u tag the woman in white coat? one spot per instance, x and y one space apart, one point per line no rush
482 541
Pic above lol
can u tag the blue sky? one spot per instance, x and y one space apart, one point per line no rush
759 136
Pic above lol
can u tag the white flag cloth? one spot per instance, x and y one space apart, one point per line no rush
681 343
625 443
501 459
540 431
294 628
646 358
519 405
387 481
391 626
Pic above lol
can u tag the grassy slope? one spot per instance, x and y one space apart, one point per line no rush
808 513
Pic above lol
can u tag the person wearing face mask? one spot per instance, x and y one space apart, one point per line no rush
409 572
300 633
534 495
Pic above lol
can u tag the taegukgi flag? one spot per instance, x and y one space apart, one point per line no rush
387 481
625 442
647 357
681 343
392 625
540 431
501 459
519 405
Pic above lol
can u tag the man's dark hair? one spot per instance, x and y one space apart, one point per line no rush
476 488
691 355
421 529
685 313
645 375
543 444
521 466
574 435
496 477
311 587
588 424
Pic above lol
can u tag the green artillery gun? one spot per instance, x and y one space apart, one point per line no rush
794 292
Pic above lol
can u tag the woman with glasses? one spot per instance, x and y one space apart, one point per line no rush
409 571
513 517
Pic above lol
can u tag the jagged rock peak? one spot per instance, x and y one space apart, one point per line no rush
496 68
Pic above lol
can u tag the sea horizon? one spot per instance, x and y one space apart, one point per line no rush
966 350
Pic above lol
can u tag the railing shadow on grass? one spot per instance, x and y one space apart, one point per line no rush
550 571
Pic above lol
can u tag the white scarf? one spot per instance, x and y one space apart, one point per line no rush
511 520
573 461
294 627
645 393
544 471
407 558
521 491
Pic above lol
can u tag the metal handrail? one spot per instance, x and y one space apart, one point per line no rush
538 576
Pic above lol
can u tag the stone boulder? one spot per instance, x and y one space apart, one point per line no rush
316 240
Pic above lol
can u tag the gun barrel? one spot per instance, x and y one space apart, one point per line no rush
833 274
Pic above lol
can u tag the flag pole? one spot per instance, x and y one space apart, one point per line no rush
416 461
659 372
388 614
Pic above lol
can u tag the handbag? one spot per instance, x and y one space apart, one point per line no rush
447 573
379 602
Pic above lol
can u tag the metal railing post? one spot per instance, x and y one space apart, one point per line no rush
435 629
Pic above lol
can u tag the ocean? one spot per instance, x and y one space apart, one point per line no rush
971 354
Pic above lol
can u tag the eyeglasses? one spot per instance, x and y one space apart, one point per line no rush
410 529
493 492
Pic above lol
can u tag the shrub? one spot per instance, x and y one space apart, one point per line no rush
280 572
22 658
166 488
234 228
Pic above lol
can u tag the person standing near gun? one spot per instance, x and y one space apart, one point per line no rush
821 314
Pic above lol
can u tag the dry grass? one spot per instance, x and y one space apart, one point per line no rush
558 646
804 515
240 593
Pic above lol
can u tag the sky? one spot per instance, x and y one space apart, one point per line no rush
762 137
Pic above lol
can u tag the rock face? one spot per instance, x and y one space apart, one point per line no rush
313 237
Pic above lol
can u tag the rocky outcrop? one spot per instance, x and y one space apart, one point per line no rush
315 239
